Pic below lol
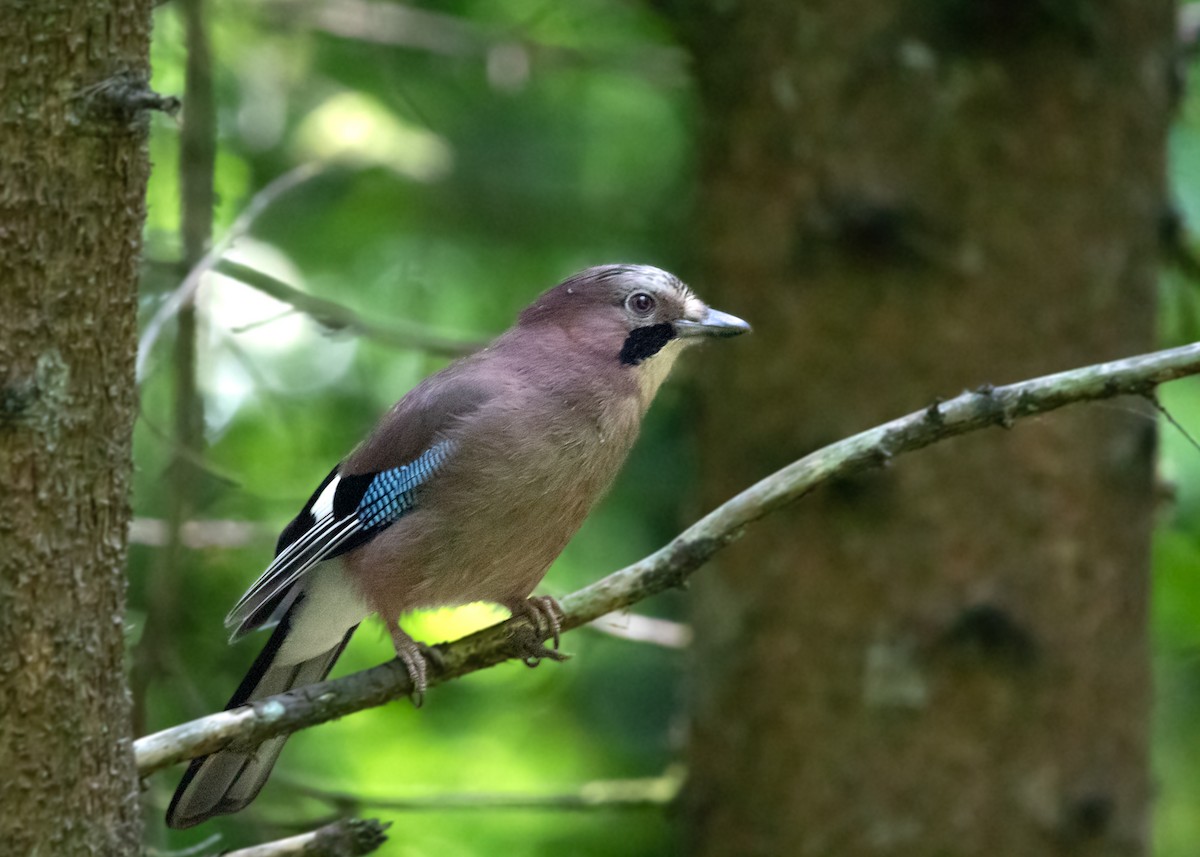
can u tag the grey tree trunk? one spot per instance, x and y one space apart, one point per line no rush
909 199
72 183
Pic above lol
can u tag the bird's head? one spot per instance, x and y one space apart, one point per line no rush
636 315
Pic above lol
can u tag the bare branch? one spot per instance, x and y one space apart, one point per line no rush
335 317
197 165
200 848
349 837
199 535
671 565
645 629
637 793
185 293
391 23
404 26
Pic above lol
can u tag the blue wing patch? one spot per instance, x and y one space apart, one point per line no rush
362 505
392 492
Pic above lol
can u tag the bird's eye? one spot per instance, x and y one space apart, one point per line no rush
640 303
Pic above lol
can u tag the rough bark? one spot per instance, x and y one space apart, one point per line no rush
72 183
906 199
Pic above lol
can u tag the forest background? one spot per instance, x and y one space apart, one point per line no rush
429 170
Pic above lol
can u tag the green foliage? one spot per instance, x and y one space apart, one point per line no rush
1176 585
473 159
1176 638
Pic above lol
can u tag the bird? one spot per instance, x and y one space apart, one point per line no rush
465 491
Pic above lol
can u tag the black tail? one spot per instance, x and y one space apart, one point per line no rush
228 780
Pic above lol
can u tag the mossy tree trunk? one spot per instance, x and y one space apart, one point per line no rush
907 199
73 173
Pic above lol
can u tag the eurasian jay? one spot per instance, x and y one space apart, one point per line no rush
466 490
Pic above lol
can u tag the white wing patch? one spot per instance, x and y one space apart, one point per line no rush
320 540
366 502
323 507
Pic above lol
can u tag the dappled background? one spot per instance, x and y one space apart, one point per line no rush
429 171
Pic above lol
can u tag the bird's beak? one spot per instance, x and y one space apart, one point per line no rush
712 323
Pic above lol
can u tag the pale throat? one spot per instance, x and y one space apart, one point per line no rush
654 370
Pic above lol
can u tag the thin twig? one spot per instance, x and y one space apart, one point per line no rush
197 164
405 26
644 629
199 535
335 317
185 293
1170 418
200 847
671 565
349 837
635 793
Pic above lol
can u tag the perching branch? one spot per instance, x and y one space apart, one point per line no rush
350 837
671 565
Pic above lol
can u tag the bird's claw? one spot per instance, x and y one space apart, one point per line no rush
416 658
544 616
543 653
414 665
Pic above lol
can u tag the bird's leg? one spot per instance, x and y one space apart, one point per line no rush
412 654
544 615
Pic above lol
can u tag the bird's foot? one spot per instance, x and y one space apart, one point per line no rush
544 616
415 657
